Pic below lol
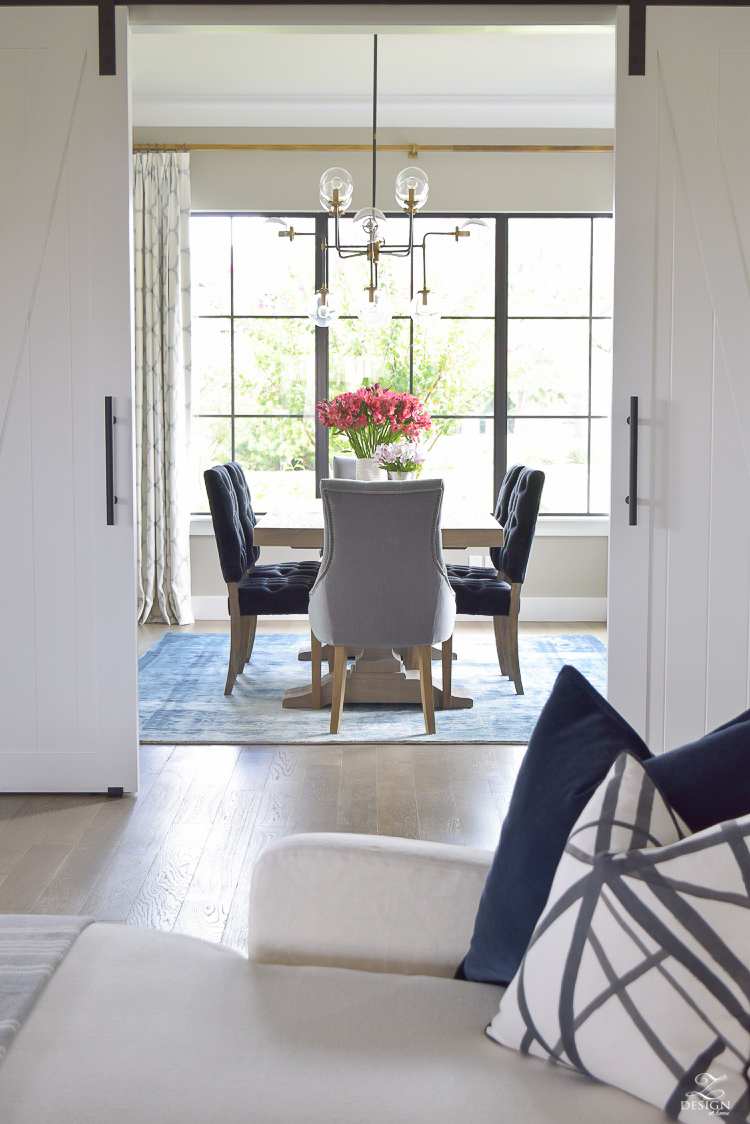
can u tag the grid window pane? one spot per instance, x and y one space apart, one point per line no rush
357 355
347 278
548 367
560 448
603 266
454 366
601 454
272 275
274 366
460 450
601 366
211 366
210 264
278 456
549 266
460 271
210 444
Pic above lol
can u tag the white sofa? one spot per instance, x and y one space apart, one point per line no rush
345 1013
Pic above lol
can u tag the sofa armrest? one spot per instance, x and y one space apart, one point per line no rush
365 901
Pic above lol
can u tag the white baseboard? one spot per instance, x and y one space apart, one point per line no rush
532 609
563 608
210 608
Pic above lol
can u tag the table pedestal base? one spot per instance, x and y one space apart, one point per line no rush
377 676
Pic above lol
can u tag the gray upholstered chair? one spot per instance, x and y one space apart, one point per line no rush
382 580
344 468
496 593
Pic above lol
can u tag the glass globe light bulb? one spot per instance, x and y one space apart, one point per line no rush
336 179
412 179
478 229
323 309
369 225
377 312
425 307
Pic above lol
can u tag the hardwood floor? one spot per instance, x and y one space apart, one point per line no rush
179 855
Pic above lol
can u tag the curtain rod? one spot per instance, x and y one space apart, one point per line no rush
413 150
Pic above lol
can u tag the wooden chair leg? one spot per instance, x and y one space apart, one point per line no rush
236 652
316 660
252 624
447 655
502 658
501 643
424 657
511 634
339 686
515 667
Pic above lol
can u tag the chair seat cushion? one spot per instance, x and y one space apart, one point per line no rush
478 591
281 588
139 1026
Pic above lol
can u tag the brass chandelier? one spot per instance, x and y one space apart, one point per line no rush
412 188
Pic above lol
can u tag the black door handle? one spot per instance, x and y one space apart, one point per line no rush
632 498
109 422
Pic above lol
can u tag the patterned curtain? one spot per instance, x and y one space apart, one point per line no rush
161 213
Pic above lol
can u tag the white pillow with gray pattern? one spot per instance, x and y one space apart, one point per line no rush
638 972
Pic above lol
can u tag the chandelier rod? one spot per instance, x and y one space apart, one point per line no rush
374 116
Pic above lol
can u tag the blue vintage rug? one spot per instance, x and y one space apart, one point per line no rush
182 698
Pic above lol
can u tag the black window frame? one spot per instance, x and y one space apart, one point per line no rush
499 418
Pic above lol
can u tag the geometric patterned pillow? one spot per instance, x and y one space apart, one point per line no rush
638 971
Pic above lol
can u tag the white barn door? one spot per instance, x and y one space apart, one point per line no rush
68 687
679 632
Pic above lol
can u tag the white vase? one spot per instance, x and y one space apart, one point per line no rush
368 468
394 474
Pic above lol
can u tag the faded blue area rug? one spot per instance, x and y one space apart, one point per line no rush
182 698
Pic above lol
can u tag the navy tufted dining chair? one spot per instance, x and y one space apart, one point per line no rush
486 592
253 590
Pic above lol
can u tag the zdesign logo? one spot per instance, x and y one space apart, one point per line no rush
706 1096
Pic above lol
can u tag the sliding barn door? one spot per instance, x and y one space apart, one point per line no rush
680 579
68 691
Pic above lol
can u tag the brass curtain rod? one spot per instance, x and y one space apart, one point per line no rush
413 150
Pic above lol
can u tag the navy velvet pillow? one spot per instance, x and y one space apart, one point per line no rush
708 780
574 744
576 739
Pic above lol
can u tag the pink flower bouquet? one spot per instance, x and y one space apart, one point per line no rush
370 416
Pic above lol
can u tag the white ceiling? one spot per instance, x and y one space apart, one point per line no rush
511 77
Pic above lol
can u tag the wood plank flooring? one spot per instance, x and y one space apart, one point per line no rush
179 855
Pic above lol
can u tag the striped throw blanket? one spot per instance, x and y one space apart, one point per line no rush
31 947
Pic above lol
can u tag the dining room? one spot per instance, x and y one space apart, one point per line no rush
495 317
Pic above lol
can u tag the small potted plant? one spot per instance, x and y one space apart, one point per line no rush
371 417
402 460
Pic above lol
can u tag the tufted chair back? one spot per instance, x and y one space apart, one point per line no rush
506 489
382 581
247 515
523 507
225 514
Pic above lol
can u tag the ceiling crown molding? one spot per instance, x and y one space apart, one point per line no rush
424 111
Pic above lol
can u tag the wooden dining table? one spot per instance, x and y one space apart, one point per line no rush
378 675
